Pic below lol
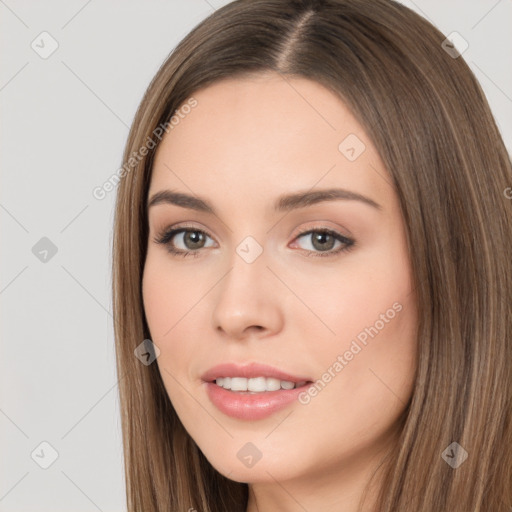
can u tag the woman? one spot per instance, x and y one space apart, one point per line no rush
312 244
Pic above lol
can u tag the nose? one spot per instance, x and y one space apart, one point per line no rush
247 300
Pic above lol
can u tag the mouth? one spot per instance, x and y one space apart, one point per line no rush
252 391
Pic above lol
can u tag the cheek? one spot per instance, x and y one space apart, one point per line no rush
169 300
366 372
168 295
175 308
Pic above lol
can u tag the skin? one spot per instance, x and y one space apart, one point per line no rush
245 143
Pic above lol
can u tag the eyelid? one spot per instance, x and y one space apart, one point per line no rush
182 226
323 227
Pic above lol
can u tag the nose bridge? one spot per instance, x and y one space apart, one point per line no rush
246 297
247 277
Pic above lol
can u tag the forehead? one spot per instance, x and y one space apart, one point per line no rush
247 136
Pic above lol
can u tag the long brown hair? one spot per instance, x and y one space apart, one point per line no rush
433 128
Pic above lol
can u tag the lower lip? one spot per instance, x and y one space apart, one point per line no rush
246 406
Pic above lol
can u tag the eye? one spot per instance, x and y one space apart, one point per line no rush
323 241
192 239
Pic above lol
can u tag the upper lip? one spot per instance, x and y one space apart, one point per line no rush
248 371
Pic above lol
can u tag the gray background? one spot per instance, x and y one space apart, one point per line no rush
64 121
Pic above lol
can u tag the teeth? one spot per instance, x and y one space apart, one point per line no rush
256 384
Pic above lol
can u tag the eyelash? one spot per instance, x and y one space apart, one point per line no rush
167 235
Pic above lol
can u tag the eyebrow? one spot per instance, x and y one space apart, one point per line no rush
284 203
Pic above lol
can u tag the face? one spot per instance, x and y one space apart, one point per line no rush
317 288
